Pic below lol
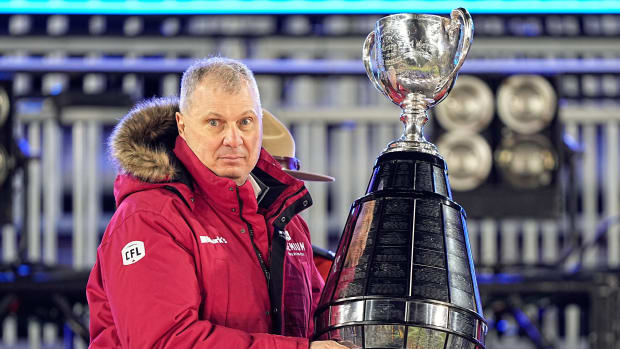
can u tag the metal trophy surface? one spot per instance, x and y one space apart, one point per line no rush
403 276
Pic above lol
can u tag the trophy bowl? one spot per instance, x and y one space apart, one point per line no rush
414 60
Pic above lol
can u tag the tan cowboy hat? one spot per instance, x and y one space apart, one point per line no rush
279 142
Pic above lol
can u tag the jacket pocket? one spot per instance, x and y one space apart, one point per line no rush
218 292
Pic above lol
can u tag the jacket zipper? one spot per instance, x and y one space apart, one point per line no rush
259 255
267 220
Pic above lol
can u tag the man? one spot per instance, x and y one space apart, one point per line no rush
206 249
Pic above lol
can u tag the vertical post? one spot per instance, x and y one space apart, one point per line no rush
92 191
362 163
50 336
612 192
318 163
488 250
510 239
530 241
34 333
574 223
303 149
550 323
270 88
341 140
572 325
52 189
132 85
9 331
589 193
79 194
384 133
78 342
33 209
473 230
9 244
170 85
550 242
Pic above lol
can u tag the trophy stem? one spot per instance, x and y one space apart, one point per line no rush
414 117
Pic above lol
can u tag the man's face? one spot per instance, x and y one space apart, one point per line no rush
224 130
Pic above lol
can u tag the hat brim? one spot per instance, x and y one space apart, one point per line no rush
308 176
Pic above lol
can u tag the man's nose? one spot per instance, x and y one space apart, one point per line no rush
232 137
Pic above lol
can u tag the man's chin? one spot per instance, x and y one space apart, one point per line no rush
234 174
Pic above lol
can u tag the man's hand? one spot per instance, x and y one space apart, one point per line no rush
326 345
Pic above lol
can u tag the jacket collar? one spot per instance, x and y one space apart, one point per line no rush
213 187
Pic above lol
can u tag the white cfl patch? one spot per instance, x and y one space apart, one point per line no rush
133 252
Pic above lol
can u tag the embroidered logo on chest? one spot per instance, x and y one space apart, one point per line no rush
293 248
209 240
133 252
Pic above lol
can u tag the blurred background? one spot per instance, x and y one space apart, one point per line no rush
529 132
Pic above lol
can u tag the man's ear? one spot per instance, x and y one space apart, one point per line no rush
180 124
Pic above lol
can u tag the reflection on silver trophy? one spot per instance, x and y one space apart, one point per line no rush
414 60
403 276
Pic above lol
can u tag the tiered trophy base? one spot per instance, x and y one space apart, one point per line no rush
403 276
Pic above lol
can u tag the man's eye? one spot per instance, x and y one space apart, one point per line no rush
213 123
246 121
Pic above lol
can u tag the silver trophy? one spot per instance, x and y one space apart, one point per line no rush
403 275
414 60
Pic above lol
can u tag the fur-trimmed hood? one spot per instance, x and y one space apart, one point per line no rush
142 142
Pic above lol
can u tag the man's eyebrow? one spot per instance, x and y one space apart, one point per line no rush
210 114
249 111
218 115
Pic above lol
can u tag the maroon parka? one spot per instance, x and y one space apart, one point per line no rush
179 264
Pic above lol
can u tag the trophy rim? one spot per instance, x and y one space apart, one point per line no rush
327 309
476 342
407 15
409 299
416 195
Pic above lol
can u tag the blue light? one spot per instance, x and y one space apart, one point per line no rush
501 326
24 147
56 89
23 270
499 278
304 6
7 277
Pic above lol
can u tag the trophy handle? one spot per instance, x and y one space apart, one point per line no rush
369 43
468 33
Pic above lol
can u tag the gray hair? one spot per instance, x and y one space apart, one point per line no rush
228 73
